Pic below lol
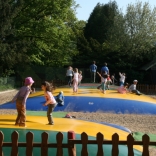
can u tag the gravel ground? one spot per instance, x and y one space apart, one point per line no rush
134 122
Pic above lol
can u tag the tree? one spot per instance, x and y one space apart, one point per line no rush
100 21
140 27
36 32
96 32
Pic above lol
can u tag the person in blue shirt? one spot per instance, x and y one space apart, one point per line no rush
105 69
60 98
93 69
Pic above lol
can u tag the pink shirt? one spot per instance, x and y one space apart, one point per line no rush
122 90
80 77
49 98
76 76
23 93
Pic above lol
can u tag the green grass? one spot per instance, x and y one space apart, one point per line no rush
6 87
44 113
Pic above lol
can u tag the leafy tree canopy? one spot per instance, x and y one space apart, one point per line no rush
37 32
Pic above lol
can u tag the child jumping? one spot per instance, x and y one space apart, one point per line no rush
79 78
109 81
103 81
75 81
21 98
50 100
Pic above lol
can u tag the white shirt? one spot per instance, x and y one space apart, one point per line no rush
132 87
122 78
69 72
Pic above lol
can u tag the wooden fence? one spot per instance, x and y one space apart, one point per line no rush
70 145
147 89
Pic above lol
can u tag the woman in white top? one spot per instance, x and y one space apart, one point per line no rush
75 81
69 75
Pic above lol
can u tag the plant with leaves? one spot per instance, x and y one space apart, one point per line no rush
36 32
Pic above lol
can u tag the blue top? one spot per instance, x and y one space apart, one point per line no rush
105 69
93 68
60 99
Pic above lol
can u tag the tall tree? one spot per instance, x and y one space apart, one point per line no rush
100 21
36 32
140 27
96 32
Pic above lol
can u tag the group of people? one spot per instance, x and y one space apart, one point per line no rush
74 77
50 101
104 75
106 80
125 88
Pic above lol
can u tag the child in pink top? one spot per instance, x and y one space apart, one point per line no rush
50 100
75 81
79 78
123 89
21 98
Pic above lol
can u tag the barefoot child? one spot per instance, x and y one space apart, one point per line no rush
79 78
75 81
123 89
133 89
21 98
50 100
103 81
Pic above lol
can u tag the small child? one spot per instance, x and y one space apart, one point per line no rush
50 100
133 89
103 81
122 78
60 98
109 81
75 81
79 78
114 80
123 89
21 98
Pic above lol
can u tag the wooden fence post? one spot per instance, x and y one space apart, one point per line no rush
44 144
99 139
1 143
84 139
130 142
115 141
14 138
72 147
29 144
59 138
145 140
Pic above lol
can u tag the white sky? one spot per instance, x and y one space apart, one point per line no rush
87 6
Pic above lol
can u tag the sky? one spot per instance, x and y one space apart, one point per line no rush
87 6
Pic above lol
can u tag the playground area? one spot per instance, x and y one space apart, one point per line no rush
110 113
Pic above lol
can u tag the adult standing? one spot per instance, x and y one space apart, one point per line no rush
93 69
105 69
69 75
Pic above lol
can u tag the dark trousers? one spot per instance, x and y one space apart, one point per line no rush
69 80
93 76
49 113
136 92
